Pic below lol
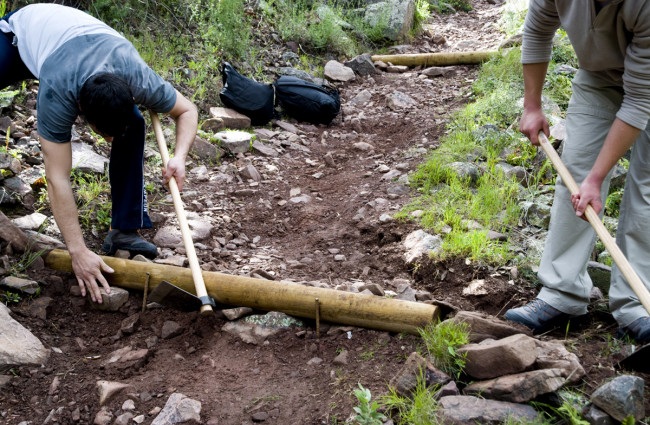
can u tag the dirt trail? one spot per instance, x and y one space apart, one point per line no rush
337 238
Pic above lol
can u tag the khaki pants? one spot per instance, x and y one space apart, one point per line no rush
563 269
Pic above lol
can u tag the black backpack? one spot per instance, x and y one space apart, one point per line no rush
307 101
246 96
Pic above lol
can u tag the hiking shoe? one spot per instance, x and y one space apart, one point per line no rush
538 315
129 241
639 330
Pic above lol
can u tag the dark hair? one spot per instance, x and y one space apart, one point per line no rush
107 103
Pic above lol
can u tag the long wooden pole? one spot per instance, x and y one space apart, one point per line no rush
437 59
182 220
333 306
610 244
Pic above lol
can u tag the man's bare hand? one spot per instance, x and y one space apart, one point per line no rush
88 268
532 122
175 168
589 195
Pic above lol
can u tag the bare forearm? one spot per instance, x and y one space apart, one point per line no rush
534 76
620 138
66 215
186 124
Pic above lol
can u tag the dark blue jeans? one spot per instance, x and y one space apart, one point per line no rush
127 151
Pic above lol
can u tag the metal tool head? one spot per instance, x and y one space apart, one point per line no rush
172 296
637 361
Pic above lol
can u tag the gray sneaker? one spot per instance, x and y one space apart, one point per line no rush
130 241
538 315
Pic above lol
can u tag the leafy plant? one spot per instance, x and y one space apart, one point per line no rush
11 297
442 341
366 412
26 259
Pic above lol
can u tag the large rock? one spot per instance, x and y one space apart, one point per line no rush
396 15
235 141
621 397
206 150
362 65
110 301
30 222
492 358
336 71
86 160
419 243
467 410
518 388
18 347
12 234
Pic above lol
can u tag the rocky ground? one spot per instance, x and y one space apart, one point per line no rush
309 205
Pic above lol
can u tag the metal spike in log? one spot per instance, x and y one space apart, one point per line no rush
367 311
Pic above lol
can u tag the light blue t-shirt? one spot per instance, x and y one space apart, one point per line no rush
64 52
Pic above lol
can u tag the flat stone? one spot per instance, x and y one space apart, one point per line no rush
126 357
11 233
230 118
19 284
336 71
86 160
171 329
518 388
554 355
468 410
30 222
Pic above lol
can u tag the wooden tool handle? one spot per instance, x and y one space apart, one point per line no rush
610 244
197 275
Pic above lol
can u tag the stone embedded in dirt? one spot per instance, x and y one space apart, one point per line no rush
465 171
9 163
341 359
363 146
126 357
212 125
362 65
30 222
361 99
109 389
595 416
483 326
235 141
110 302
179 409
265 134
536 213
476 287
264 150
558 131
468 410
123 419
492 358
406 380
168 237
397 69
103 417
398 100
621 397
206 150
40 307
230 118
336 71
302 199
259 416
249 172
171 329
405 292
4 380
19 284
554 355
12 234
237 313
129 325
437 71
373 288
86 160
18 346
518 388
420 243
315 361
172 260
449 389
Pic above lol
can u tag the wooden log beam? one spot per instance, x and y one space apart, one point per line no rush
347 308
437 59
